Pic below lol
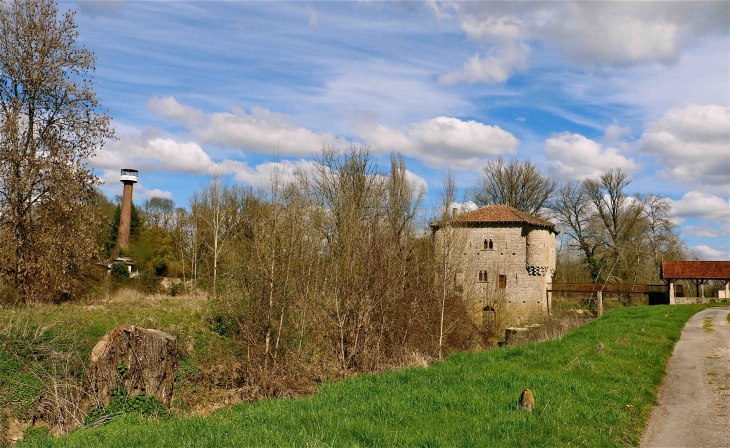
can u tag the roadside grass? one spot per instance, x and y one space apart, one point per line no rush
595 386
728 317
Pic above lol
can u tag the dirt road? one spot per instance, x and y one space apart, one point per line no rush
694 401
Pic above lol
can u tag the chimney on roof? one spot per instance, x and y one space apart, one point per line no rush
453 212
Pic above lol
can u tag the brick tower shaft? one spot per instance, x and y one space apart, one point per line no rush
125 218
128 178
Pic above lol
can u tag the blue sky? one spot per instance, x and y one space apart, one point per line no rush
578 88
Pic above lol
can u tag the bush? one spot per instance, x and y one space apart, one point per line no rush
120 271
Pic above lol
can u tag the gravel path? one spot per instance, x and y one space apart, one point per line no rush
694 401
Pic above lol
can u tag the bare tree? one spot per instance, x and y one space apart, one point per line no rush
518 184
446 249
621 238
160 212
50 124
619 214
663 237
349 187
573 211
183 238
219 207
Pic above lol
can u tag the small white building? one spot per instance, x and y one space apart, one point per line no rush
502 261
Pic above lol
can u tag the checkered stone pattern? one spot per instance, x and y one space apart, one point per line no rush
537 270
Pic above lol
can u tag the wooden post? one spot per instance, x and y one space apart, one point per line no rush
672 301
550 302
599 303
727 289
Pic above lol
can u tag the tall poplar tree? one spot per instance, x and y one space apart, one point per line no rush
50 125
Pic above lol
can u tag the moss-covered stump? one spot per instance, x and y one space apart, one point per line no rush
139 360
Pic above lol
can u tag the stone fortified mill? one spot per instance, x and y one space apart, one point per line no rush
502 261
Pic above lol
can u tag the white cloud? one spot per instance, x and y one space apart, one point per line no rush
152 153
700 76
709 253
263 174
416 182
451 137
693 145
438 141
615 133
264 131
438 11
619 34
443 141
701 205
382 139
493 28
496 67
703 231
387 93
596 34
145 193
599 33
260 130
463 207
458 208
313 17
576 157
169 108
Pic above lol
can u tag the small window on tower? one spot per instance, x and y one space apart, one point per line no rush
486 244
502 281
482 276
491 244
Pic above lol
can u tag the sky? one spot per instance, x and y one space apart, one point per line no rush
578 88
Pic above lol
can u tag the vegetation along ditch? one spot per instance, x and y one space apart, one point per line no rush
595 386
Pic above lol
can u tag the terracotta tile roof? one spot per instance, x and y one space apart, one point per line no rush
708 270
500 214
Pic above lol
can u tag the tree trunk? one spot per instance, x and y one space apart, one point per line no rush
142 361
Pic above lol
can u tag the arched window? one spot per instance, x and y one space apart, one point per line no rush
486 244
491 244
482 276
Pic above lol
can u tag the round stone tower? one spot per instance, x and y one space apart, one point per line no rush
540 250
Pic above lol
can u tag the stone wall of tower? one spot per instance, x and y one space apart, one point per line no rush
499 269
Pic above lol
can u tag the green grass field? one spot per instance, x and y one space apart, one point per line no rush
586 395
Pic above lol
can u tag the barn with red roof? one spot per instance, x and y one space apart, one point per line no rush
699 273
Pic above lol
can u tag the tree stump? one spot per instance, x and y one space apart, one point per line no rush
140 360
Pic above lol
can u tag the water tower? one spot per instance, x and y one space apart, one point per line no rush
128 178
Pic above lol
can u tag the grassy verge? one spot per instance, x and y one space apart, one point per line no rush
596 387
44 346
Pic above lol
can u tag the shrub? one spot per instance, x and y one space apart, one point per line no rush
120 271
